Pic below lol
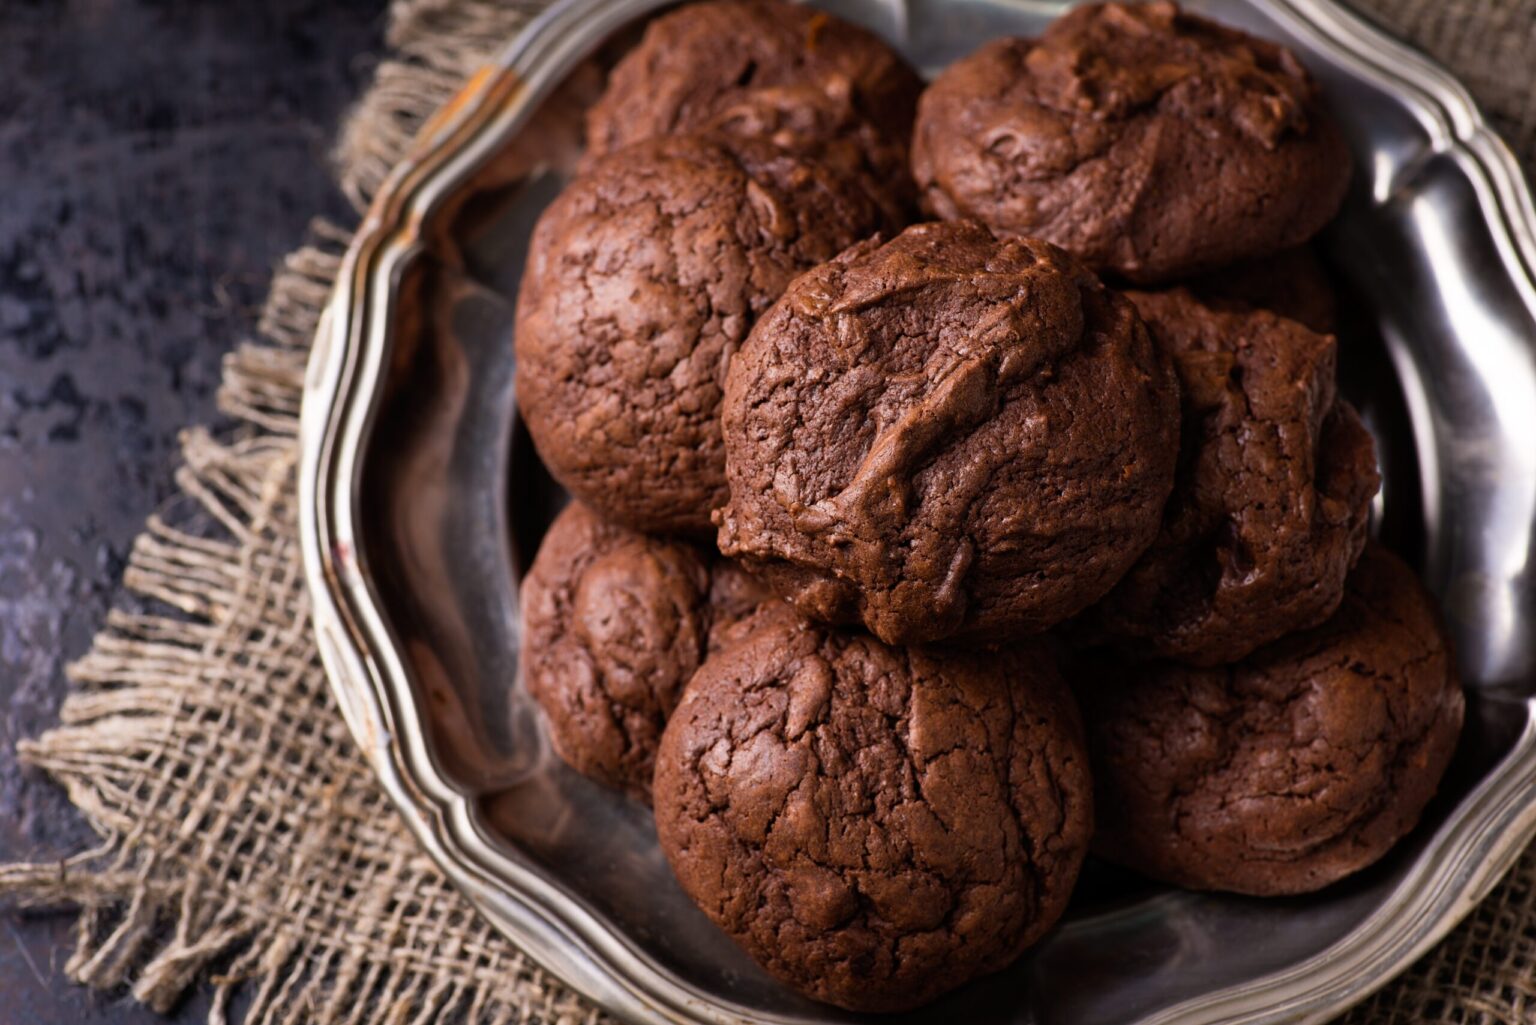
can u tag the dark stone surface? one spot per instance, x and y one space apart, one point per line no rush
157 157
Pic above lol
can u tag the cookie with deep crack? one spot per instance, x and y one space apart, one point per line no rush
874 825
1143 140
810 80
1289 770
643 277
948 436
615 624
1272 497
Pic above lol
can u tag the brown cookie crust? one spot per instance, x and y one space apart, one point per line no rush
1287 771
642 279
1272 498
947 436
827 129
1143 140
615 624
874 825
704 62
738 604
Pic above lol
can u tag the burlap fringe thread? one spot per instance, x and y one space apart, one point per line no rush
243 840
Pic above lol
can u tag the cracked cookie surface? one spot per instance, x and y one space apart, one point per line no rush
828 130
874 825
948 436
1272 497
615 624
1287 771
1143 140
811 80
643 278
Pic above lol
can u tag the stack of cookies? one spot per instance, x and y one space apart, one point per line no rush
912 558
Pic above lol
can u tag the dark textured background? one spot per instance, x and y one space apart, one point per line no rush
157 157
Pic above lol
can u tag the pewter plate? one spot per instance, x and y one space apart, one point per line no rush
421 502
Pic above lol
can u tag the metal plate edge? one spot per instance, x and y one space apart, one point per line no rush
371 686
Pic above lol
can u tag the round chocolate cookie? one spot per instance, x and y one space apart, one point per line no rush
614 625
1289 770
642 279
874 825
1292 284
805 71
1143 140
1272 497
947 436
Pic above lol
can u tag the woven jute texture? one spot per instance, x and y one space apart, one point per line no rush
245 846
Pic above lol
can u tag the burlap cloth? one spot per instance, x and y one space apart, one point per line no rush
244 843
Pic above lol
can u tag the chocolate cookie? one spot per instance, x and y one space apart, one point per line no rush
1272 498
874 825
642 279
1292 283
615 624
947 436
1287 771
815 78
1143 140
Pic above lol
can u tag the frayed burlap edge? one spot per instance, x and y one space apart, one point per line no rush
244 843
